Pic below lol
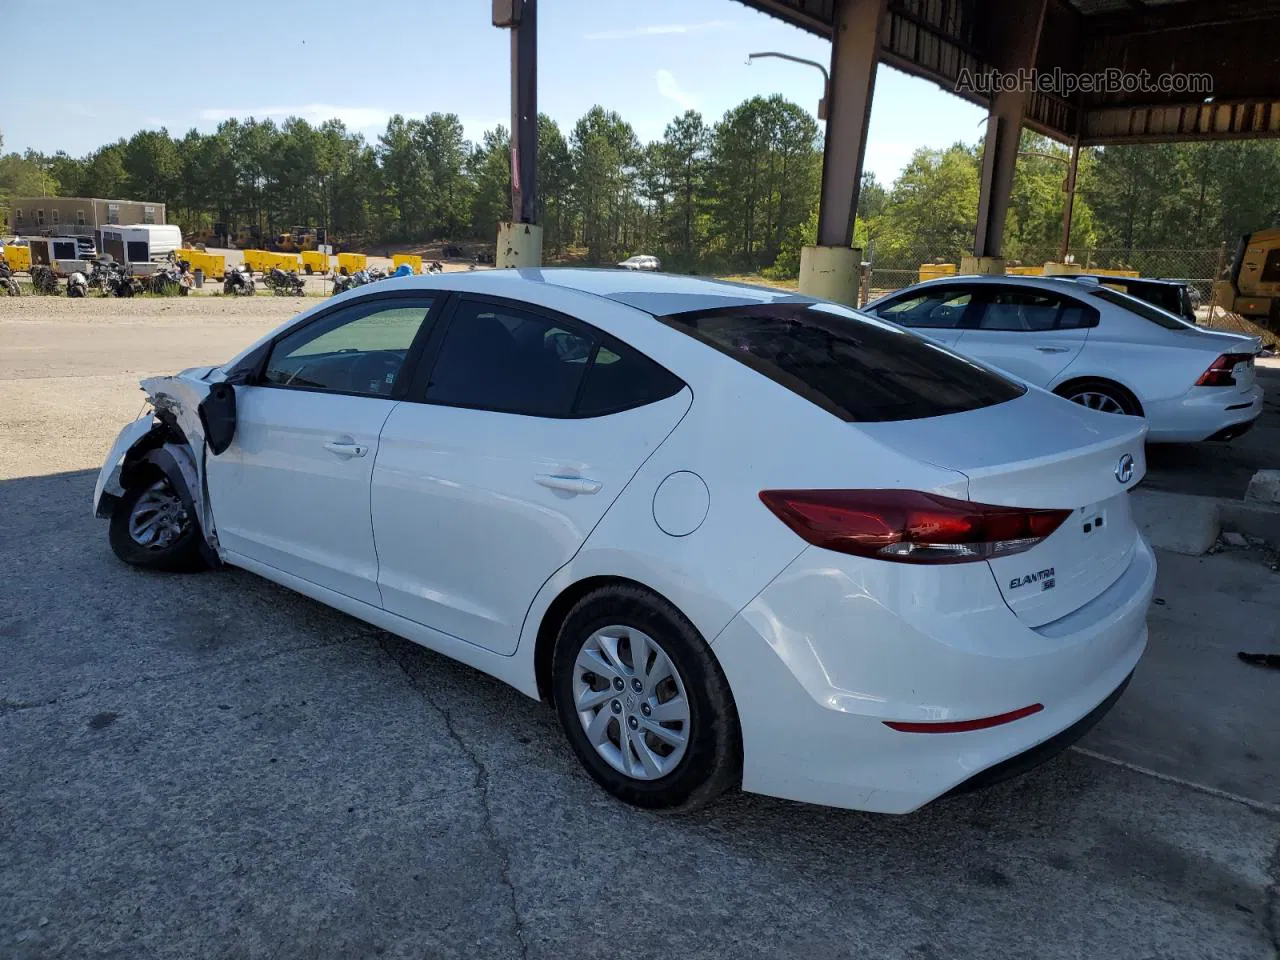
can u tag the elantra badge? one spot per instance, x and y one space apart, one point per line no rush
1124 469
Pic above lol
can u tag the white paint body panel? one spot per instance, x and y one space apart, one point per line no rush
280 497
469 520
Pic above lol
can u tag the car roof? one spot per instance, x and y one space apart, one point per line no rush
660 294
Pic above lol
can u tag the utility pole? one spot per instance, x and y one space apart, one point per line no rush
520 239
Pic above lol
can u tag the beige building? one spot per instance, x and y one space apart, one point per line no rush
76 216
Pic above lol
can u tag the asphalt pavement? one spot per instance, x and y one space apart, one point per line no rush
208 765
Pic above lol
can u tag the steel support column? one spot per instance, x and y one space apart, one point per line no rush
855 48
1021 37
520 239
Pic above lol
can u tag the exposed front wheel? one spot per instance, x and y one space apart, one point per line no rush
151 527
643 701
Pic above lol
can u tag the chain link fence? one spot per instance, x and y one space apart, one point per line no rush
893 270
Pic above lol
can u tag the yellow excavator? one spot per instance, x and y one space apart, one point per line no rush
1252 289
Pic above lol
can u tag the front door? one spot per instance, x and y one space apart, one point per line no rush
292 489
530 426
1031 333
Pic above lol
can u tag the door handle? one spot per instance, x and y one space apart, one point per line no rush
555 481
1047 349
346 448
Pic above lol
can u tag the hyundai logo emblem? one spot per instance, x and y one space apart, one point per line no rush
1124 469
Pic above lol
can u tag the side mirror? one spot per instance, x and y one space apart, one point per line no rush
218 417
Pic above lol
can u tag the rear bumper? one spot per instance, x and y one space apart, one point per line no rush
837 646
1204 413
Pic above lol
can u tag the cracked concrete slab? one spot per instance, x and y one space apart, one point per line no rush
416 808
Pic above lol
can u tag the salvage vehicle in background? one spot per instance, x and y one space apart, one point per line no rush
641 262
734 534
1093 345
1175 296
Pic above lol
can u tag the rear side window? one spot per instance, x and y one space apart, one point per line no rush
508 360
850 365
1141 308
1026 310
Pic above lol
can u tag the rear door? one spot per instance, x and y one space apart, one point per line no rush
1032 333
525 429
292 490
937 313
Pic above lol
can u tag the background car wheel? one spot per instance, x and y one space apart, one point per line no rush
152 528
1101 396
643 701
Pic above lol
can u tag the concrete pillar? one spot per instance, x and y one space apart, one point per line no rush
831 273
1020 39
981 266
519 245
831 268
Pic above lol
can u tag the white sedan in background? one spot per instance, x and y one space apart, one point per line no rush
736 536
641 262
1093 345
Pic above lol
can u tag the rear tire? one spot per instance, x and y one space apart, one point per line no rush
1101 395
152 529
625 634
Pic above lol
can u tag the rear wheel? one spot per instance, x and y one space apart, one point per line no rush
152 528
643 701
1101 396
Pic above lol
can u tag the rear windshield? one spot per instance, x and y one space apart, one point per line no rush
1141 308
855 367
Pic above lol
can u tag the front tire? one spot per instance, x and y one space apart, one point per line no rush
643 702
152 528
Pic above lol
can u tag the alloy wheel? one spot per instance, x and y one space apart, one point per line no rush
1102 402
631 702
158 519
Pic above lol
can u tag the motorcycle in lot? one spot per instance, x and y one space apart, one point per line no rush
77 285
238 281
344 282
435 266
43 280
8 285
283 283
172 278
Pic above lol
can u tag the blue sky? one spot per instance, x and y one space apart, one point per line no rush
322 58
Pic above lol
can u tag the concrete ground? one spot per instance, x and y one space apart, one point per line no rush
210 766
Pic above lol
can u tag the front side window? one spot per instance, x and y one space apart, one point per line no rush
1026 310
939 308
850 365
360 349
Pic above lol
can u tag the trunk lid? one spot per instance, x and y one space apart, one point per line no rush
1042 451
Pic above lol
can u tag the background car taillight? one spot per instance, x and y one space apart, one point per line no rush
907 526
1220 372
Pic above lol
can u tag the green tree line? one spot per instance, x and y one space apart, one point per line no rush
737 194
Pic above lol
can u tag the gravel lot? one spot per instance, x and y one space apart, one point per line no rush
210 766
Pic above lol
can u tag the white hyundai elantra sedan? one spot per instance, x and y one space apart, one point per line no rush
735 535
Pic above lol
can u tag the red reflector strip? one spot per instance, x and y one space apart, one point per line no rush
961 726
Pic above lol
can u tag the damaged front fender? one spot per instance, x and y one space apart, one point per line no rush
172 439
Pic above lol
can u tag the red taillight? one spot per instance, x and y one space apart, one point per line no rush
1221 371
907 526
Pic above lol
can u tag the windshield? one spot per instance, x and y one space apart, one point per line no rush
1142 308
853 366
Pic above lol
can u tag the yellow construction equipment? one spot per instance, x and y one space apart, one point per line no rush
313 261
1252 289
351 262
412 259
260 261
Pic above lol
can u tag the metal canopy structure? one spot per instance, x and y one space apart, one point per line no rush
1236 42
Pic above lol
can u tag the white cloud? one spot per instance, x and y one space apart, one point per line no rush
658 30
358 118
669 88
